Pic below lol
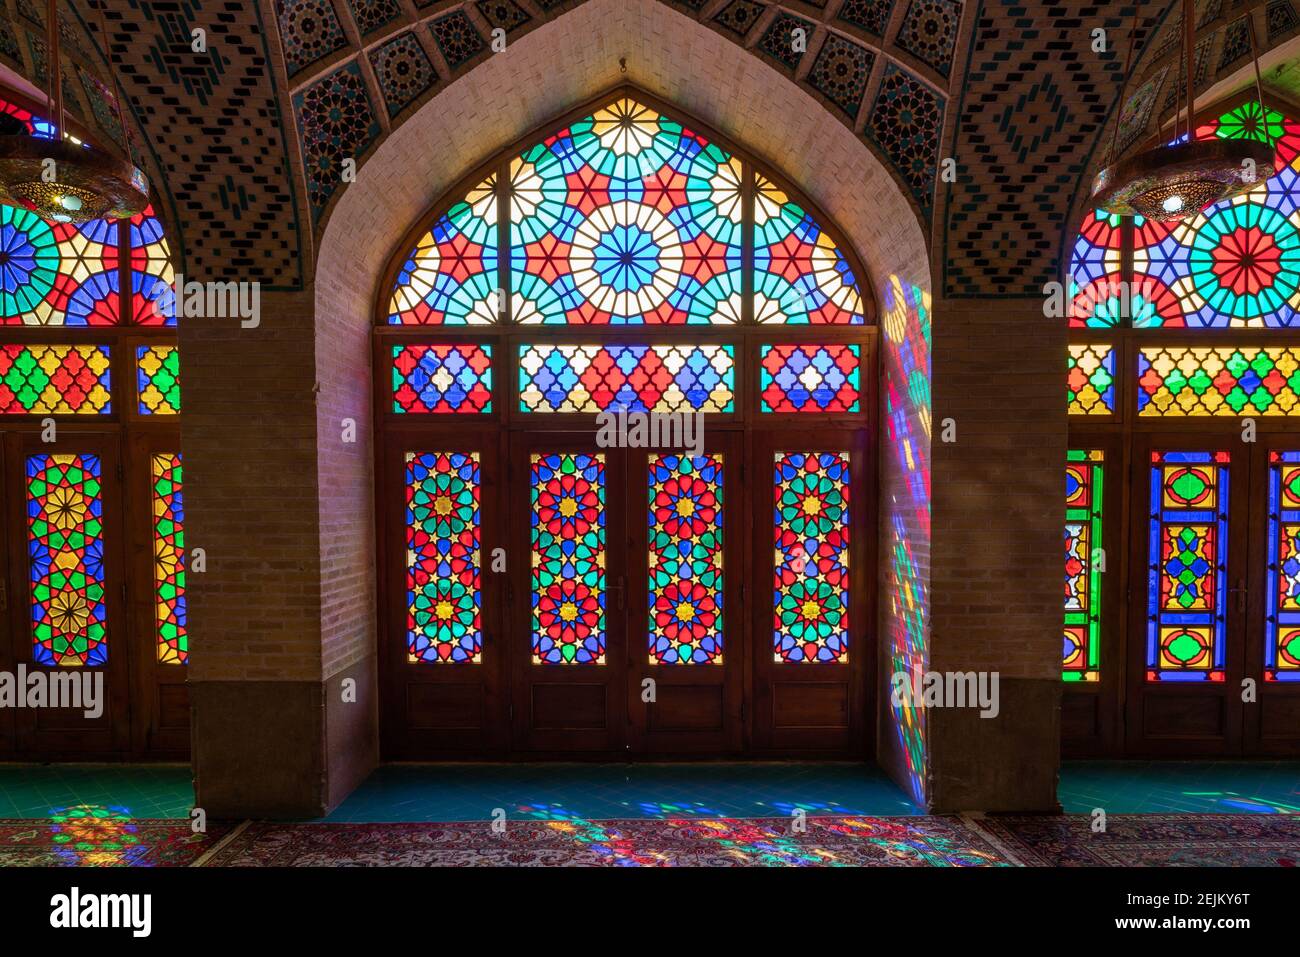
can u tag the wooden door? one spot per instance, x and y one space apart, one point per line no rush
9 598
812 498
68 590
444 657
1272 647
686 611
566 508
1188 592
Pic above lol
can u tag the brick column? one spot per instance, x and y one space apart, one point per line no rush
996 554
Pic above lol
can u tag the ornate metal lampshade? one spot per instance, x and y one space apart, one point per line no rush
1177 181
78 185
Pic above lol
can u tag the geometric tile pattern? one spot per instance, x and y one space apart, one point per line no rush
457 39
502 14
370 15
869 15
336 123
906 121
840 73
309 30
786 39
929 32
739 16
403 71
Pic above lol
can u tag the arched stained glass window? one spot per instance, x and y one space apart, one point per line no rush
627 217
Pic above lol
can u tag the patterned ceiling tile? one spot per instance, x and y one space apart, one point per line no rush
372 15
1035 102
403 70
1136 114
786 39
840 73
457 39
503 14
1178 91
929 32
869 15
335 122
1209 10
906 121
309 30
1281 19
1236 44
103 106
739 16
8 41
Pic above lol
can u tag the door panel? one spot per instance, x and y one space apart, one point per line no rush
444 656
812 634
1188 595
68 615
568 576
1272 722
685 626
9 597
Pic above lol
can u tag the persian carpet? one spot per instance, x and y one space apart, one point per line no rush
1147 840
92 838
826 841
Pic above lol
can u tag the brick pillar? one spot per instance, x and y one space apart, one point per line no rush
996 553
261 687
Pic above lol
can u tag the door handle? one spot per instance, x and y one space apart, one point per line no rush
1240 593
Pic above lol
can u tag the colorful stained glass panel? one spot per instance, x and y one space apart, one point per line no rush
153 299
451 276
811 596
442 378
626 217
169 559
1282 601
55 380
1096 277
568 558
810 378
57 274
1220 380
685 559
1187 566
158 380
570 378
443 558
1084 496
801 276
65 539
1237 263
1090 380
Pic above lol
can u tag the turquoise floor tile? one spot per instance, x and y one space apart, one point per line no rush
144 791
1181 787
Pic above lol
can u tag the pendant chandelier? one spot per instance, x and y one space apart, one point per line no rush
1176 181
61 180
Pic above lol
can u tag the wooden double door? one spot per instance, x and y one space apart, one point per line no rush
620 602
77 596
1201 618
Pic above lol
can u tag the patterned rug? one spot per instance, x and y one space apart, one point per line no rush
1147 840
98 836
826 841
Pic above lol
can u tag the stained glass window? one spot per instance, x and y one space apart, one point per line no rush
568 549
151 272
1090 382
634 378
1222 380
626 218
811 605
158 380
1083 513
55 380
34 125
810 378
443 598
1187 566
1096 271
65 515
685 559
1282 612
800 274
442 378
57 274
451 276
169 559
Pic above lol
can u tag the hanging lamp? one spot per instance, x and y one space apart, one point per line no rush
60 180
1176 181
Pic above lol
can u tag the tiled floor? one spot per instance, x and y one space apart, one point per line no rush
466 792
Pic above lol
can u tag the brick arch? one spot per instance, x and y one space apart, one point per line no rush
707 76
